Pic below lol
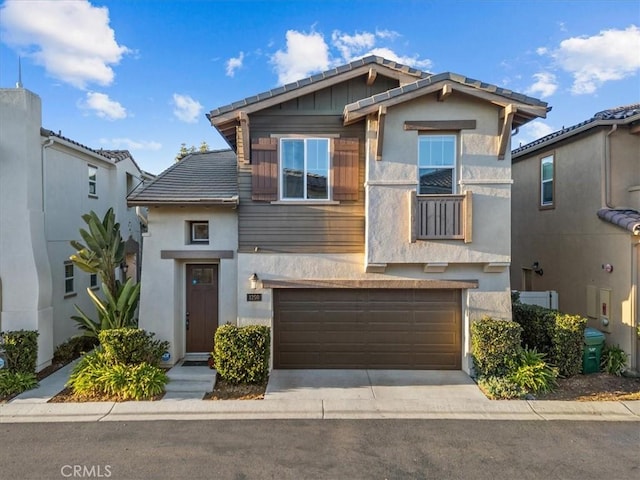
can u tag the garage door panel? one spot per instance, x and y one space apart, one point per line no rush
367 328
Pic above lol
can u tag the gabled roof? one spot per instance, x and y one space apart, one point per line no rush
627 219
209 178
315 82
50 133
119 155
619 115
528 107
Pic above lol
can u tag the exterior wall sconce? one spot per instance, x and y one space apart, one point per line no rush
536 268
253 280
607 267
124 267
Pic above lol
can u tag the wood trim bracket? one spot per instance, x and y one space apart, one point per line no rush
371 76
467 205
443 94
382 114
243 119
506 116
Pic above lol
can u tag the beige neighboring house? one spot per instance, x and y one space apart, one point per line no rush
369 225
47 182
576 221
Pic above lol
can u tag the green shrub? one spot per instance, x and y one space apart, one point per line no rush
12 383
533 374
73 348
21 350
96 375
614 360
500 388
495 346
131 346
568 343
537 326
241 354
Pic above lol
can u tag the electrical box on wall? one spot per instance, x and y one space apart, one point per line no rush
604 302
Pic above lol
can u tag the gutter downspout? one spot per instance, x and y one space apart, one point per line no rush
139 214
605 176
635 300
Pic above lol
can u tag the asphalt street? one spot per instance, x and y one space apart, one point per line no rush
322 449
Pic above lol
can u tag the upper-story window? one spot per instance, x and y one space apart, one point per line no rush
69 278
93 180
304 168
547 189
436 164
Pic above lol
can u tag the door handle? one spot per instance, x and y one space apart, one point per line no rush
187 321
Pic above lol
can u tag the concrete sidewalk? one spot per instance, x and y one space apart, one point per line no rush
322 394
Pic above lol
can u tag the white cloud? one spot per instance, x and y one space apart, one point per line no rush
609 55
545 84
532 131
234 63
186 108
305 54
71 40
129 144
103 106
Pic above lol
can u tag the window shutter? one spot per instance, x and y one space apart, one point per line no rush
264 169
346 157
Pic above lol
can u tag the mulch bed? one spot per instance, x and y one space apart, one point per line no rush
595 387
67 396
228 391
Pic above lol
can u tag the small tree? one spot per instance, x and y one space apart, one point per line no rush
102 255
184 150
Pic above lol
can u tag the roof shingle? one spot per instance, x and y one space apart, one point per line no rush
627 219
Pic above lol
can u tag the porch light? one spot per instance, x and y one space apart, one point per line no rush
253 279
124 267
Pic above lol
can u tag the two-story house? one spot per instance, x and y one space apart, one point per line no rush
369 226
47 182
576 221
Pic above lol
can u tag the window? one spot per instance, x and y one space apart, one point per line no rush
93 176
547 189
68 278
199 232
93 280
304 168
436 164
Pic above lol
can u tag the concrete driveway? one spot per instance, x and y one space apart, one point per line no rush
372 385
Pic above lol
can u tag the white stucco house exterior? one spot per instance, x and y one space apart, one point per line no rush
365 217
47 182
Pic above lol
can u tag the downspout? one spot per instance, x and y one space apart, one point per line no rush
605 176
140 216
635 299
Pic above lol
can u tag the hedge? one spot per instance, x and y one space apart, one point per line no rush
241 354
495 346
21 350
131 346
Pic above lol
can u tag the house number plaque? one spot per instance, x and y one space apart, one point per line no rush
254 297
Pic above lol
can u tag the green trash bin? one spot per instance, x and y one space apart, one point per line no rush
592 351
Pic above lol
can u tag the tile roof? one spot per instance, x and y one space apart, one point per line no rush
116 155
370 60
611 116
627 219
50 133
209 178
440 77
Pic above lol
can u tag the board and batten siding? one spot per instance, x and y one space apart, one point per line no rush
301 228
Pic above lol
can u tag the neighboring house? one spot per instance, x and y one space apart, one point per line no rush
372 211
47 182
576 221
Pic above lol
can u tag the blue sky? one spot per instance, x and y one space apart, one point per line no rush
140 75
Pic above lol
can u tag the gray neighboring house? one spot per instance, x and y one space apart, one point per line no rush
368 228
576 219
47 182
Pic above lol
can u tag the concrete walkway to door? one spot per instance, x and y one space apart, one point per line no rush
372 385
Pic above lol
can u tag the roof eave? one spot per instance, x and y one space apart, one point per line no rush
232 201
571 133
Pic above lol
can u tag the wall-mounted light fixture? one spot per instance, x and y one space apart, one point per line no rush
607 267
124 267
536 268
253 280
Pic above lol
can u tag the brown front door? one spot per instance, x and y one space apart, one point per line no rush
202 307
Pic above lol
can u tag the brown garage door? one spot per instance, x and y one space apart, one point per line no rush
367 328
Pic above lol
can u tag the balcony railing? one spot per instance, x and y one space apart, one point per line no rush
441 217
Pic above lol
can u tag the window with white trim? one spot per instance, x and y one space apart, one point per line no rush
93 280
69 278
304 168
93 180
436 164
199 232
547 174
